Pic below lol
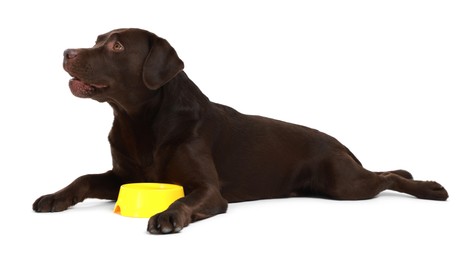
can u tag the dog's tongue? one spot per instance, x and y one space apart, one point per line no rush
80 89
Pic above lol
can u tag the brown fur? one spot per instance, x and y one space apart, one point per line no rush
166 130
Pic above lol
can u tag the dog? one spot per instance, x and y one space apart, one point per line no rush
166 130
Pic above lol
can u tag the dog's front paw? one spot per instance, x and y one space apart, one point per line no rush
53 203
167 222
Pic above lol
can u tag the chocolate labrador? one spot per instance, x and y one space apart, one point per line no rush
166 130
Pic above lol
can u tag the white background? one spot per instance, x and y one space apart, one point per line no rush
392 80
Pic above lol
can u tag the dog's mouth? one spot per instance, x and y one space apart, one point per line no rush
82 89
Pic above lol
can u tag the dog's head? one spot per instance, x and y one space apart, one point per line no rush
125 65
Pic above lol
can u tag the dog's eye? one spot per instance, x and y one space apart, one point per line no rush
117 46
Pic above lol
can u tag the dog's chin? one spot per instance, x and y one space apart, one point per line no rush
82 89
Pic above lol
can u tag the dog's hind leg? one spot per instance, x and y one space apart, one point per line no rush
401 173
420 189
341 177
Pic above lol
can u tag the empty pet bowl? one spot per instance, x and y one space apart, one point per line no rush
143 200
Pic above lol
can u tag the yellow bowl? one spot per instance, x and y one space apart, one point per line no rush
143 200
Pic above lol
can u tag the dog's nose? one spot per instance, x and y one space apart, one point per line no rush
70 53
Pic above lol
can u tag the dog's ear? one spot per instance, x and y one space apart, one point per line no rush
161 65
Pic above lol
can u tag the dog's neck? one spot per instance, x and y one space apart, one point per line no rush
171 113
179 96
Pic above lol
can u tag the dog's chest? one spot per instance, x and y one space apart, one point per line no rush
134 151
137 167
